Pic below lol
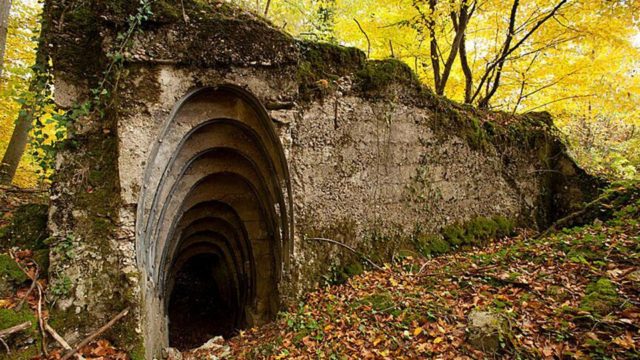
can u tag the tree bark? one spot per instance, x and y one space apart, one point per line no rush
484 102
466 69
17 145
462 47
433 43
5 7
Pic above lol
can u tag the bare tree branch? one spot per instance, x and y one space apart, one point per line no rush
366 36
491 77
558 100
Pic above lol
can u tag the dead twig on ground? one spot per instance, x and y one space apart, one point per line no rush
57 337
376 266
15 189
6 347
34 282
41 321
54 334
12 330
95 334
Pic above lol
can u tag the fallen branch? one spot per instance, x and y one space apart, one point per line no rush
6 347
65 345
20 190
95 334
54 334
14 329
378 267
41 321
184 13
34 283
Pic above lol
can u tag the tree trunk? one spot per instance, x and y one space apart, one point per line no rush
5 7
460 22
506 49
433 43
17 145
466 69
20 135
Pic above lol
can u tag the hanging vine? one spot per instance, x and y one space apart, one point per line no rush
48 119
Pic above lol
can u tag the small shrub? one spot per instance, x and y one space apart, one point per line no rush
428 244
505 227
453 234
479 230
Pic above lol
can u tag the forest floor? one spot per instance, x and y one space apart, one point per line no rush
571 294
574 293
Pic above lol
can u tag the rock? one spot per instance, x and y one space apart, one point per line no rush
484 330
214 349
171 354
213 344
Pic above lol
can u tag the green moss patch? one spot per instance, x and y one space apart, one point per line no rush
20 342
28 227
322 63
601 297
9 318
378 74
10 271
10 275
429 245
340 274
475 232
381 302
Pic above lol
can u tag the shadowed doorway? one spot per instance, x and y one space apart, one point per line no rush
201 304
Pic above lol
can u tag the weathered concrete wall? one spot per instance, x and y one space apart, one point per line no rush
370 158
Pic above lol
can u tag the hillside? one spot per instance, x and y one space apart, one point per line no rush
573 293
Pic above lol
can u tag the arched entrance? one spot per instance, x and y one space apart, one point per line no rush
214 220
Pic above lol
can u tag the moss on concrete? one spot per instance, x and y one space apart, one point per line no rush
474 232
376 75
320 64
430 245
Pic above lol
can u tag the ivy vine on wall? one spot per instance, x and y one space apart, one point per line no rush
46 115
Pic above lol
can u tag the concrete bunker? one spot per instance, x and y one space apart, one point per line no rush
214 220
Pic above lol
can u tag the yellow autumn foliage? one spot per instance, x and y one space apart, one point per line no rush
19 57
583 65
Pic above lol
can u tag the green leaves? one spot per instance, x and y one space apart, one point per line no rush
53 126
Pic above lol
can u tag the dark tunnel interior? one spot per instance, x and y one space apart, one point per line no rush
200 307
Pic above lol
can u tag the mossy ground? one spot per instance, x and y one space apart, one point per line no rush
27 229
25 343
478 231
570 294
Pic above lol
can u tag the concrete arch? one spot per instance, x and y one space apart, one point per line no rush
216 185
